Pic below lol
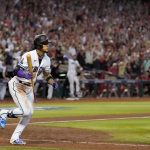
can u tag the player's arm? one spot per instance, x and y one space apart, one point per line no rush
22 73
50 80
79 68
48 77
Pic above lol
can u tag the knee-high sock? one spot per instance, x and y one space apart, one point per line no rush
20 127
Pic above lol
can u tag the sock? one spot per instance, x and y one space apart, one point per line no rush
4 113
20 127
11 115
17 132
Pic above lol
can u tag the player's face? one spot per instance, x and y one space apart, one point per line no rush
45 48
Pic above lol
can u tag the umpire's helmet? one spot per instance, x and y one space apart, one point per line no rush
40 40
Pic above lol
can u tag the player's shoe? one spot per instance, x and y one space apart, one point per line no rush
2 119
77 98
2 122
18 142
72 98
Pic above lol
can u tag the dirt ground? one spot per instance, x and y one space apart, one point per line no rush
71 139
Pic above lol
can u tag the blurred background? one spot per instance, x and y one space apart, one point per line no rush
111 40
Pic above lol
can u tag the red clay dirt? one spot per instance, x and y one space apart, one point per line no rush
71 139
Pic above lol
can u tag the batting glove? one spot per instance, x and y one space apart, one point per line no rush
55 85
23 74
28 76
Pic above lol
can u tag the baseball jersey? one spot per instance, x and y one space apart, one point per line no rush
38 66
72 66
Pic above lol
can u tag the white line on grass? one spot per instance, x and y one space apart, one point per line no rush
83 120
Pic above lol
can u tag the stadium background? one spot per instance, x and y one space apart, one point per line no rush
112 40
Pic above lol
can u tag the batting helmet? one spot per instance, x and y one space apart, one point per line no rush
40 40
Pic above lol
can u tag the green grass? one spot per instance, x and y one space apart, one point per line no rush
95 108
128 130
89 108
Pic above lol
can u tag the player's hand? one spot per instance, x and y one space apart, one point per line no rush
55 85
28 76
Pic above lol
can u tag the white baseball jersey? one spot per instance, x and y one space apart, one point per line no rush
38 67
72 67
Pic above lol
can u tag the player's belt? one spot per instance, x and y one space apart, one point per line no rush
25 83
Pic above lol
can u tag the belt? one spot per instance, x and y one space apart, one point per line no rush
25 83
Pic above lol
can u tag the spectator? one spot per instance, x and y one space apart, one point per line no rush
113 29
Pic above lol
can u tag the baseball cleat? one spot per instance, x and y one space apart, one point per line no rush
3 117
2 122
71 98
18 142
76 98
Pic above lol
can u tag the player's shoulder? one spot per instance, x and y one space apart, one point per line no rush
46 57
32 52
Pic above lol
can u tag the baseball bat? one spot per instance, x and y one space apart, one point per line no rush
29 61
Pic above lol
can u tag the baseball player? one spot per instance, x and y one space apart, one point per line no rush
21 89
73 65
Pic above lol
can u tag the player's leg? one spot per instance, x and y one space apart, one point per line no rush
71 85
21 100
77 86
25 109
15 138
36 88
28 111
50 92
12 113
19 95
3 117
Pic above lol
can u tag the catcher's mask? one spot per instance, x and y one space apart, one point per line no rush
40 40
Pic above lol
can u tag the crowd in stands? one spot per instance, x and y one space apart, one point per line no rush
111 36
